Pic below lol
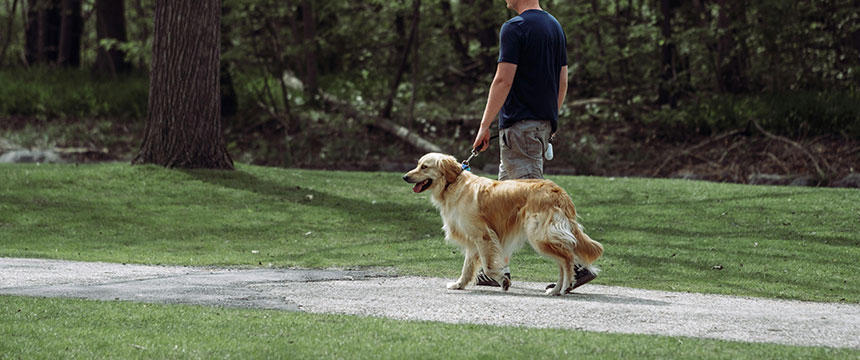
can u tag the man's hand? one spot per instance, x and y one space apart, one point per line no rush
482 140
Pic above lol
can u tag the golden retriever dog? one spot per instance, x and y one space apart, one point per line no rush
491 219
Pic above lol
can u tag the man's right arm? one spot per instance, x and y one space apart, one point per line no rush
562 86
499 89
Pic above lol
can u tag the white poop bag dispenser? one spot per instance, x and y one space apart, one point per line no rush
548 155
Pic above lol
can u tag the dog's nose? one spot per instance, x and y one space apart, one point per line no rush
405 177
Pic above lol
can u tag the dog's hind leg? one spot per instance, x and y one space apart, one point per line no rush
470 263
563 257
550 235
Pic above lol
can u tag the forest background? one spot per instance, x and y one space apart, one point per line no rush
751 92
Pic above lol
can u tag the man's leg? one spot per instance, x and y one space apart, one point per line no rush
521 149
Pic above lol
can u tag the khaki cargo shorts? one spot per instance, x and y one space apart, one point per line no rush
522 147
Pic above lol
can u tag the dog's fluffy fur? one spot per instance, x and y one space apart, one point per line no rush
491 219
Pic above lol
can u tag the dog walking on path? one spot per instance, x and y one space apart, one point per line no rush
491 219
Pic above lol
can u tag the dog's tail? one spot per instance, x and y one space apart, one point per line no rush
587 250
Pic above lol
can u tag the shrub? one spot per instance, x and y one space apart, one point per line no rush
51 92
793 114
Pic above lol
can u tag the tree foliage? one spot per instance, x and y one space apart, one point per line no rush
308 66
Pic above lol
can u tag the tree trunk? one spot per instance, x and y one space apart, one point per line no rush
183 128
71 26
416 62
404 57
7 38
309 33
460 46
598 35
229 99
488 35
110 24
43 31
667 91
731 54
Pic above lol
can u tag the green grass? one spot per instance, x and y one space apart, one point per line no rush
782 242
51 328
776 242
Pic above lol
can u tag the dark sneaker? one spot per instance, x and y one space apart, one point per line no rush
484 280
582 276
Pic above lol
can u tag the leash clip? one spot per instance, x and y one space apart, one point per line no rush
466 162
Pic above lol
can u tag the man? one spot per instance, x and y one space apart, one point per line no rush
527 92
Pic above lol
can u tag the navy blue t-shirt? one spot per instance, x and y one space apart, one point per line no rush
535 42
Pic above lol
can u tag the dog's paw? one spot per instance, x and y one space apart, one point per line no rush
455 285
506 283
553 291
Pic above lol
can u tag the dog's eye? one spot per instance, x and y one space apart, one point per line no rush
423 167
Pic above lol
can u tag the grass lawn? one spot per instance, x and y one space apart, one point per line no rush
777 242
62 328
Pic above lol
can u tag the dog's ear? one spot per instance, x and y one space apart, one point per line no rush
450 169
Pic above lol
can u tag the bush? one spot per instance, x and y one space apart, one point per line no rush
793 114
51 92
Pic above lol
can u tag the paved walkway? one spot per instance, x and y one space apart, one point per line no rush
592 308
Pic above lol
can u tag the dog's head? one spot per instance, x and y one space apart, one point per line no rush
433 169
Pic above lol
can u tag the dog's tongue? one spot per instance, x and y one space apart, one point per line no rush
418 186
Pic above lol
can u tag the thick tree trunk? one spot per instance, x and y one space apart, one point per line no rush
43 31
183 127
110 24
71 27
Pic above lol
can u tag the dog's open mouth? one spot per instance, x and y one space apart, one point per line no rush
421 186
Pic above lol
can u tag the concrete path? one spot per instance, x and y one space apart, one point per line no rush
592 308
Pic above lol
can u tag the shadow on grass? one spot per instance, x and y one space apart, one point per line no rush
409 220
358 209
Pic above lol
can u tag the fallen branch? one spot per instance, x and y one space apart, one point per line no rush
404 134
689 150
379 122
382 123
80 150
586 102
821 174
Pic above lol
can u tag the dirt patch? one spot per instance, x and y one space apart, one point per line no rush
738 156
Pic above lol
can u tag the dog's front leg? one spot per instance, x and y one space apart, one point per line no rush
490 254
469 270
